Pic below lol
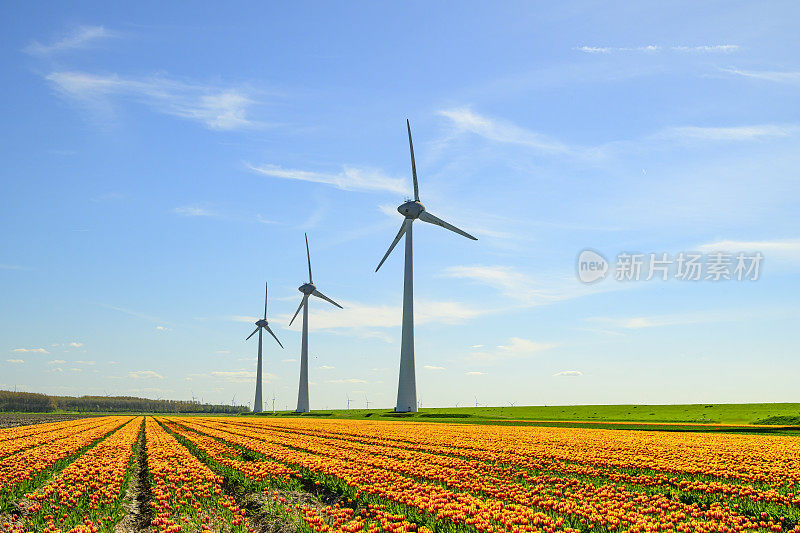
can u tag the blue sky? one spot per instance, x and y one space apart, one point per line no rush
161 161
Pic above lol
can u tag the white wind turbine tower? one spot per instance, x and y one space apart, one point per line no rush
261 325
308 289
411 210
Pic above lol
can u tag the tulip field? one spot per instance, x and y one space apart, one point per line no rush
248 474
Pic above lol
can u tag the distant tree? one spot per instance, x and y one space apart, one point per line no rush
41 403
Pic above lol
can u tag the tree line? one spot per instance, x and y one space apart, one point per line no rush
31 402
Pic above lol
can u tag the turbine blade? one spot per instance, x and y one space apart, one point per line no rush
413 163
302 303
320 295
266 288
273 335
403 229
254 332
430 219
308 254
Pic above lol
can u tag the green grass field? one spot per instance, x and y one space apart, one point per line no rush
693 417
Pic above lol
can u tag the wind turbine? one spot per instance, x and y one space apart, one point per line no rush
261 325
348 402
308 289
411 210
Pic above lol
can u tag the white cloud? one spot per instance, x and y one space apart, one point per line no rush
734 133
525 290
433 367
767 75
162 328
75 370
650 48
477 346
350 380
15 361
78 38
193 211
56 362
361 318
223 351
241 376
88 363
714 48
568 373
75 344
464 120
476 373
516 348
29 350
145 374
289 360
326 367
350 178
216 108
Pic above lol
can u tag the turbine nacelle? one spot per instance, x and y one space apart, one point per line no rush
307 288
411 209
262 323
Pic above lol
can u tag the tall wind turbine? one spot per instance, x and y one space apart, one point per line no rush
261 325
308 289
411 210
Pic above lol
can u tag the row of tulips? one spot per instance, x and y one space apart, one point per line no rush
476 493
87 495
20 438
770 460
21 471
231 458
573 468
186 494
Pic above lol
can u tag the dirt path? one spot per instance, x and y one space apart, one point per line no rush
138 496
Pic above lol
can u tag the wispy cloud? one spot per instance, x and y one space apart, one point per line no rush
75 344
193 211
15 361
130 312
777 76
358 316
522 289
732 133
56 362
88 363
29 350
515 348
80 37
241 376
350 178
145 374
651 48
782 250
348 380
433 367
569 373
475 373
215 107
464 120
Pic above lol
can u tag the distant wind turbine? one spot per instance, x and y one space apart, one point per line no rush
411 210
366 400
308 289
348 401
261 325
